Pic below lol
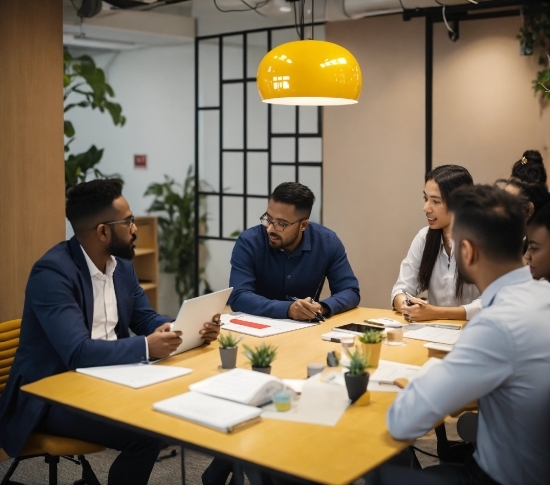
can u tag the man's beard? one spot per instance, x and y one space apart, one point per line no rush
117 247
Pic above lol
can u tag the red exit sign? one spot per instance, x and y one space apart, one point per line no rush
140 161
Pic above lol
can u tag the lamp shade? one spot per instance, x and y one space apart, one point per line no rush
309 72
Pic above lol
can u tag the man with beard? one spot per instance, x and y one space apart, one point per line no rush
278 268
501 358
81 301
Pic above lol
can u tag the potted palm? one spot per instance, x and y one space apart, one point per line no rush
261 357
371 342
228 349
357 377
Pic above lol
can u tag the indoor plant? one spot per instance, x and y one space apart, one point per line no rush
228 349
176 204
371 342
85 86
357 377
261 357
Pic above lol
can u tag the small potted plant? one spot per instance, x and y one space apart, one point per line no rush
261 357
357 377
371 341
228 349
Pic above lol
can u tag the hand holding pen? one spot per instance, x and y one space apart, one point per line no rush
415 309
304 309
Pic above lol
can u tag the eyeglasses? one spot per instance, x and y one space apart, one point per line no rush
127 222
279 226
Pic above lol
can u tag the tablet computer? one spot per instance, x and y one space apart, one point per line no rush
192 316
358 328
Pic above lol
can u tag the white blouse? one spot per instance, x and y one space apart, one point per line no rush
441 291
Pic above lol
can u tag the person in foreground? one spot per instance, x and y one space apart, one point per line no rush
430 263
278 268
501 359
81 300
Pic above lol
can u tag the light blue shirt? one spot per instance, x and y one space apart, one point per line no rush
502 358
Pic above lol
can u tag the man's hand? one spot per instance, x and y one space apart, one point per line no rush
304 310
162 342
211 331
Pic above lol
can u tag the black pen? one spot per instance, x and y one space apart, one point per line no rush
318 315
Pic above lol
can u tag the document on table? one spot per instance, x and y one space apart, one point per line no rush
382 378
434 334
321 403
260 326
135 375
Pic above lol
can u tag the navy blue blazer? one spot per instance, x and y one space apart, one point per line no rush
56 333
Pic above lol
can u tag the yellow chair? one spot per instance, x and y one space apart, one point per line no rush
38 444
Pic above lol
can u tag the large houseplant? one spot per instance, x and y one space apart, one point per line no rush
175 204
85 86
534 37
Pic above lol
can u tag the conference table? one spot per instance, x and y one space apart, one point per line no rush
323 454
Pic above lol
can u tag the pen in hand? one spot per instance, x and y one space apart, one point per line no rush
318 315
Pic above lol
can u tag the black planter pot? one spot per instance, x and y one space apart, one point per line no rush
356 385
229 357
265 370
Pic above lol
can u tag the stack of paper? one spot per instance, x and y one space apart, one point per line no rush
434 334
260 326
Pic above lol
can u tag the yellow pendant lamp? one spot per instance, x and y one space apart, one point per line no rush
309 73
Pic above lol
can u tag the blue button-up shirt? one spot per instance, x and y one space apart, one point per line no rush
262 277
502 358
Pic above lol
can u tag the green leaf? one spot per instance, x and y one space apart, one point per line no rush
68 129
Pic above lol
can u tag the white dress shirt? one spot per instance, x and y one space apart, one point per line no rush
441 291
105 317
501 358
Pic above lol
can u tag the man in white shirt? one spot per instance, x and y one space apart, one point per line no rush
501 359
82 300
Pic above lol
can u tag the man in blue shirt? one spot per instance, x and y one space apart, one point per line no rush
278 268
501 358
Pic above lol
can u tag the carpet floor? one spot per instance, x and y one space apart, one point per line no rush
167 471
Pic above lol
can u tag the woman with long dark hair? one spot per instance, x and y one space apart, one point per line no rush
430 264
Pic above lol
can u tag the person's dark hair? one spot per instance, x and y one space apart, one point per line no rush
530 168
493 217
535 193
88 200
293 193
541 217
448 178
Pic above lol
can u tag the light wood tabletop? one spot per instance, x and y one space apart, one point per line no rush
331 455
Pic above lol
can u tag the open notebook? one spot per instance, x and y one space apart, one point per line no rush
226 401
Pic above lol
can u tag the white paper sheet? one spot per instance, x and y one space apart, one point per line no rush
387 372
274 326
320 403
135 375
435 334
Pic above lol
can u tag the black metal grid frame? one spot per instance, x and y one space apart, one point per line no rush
244 80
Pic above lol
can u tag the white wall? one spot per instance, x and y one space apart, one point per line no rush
156 90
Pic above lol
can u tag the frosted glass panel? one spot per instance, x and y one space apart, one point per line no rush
283 150
255 208
257 49
257 174
282 36
233 57
280 174
217 255
310 150
283 119
233 173
232 215
233 116
209 73
256 130
209 146
308 119
210 206
311 176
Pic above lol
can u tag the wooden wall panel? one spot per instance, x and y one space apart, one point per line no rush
31 142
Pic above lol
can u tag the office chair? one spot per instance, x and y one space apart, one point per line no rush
51 447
